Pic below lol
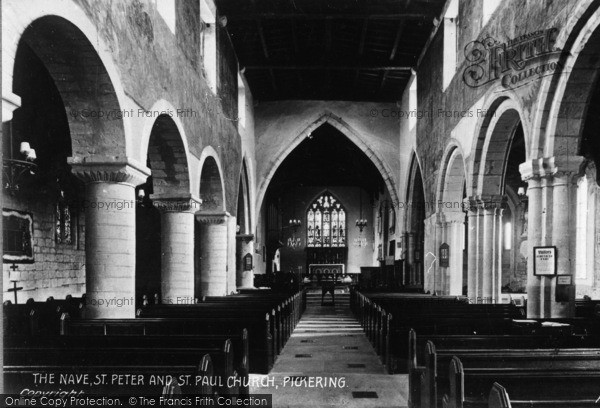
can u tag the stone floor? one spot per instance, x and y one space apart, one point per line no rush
328 362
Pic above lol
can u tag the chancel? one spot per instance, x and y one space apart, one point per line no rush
302 202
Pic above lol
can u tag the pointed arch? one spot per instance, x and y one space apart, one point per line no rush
346 130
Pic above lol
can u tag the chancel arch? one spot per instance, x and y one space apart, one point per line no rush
314 202
345 129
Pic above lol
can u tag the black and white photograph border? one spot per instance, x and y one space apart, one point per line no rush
291 203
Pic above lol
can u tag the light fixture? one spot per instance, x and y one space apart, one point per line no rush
16 170
293 223
361 223
523 205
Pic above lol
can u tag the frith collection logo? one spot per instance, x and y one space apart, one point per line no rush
515 62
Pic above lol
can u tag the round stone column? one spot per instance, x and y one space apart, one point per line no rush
531 173
410 245
487 253
213 253
498 249
472 261
110 246
177 248
564 223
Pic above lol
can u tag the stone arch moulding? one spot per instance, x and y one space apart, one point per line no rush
415 166
347 131
452 153
251 189
316 196
574 36
494 135
246 181
70 16
210 152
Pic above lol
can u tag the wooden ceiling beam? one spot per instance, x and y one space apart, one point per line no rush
315 16
397 40
263 40
331 67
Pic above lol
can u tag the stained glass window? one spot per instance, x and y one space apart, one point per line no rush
326 223
63 227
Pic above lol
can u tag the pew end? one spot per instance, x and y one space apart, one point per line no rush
498 397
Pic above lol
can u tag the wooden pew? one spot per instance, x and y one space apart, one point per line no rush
550 378
260 341
37 318
417 350
237 344
99 351
20 379
584 397
436 381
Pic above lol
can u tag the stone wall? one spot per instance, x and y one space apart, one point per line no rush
59 269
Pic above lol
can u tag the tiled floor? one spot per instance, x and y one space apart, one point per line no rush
328 362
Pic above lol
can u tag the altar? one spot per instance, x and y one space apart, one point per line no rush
326 269
335 272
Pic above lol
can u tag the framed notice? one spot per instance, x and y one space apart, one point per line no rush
445 255
544 261
248 262
564 280
17 236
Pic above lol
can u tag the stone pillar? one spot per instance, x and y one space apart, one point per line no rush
491 257
455 233
551 221
231 259
177 248
564 221
410 245
439 226
213 253
534 237
498 249
487 253
110 236
472 262
245 245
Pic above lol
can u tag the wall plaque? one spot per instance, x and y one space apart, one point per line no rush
544 260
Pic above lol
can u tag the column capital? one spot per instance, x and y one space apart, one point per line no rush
10 102
569 166
452 217
485 202
213 218
536 168
181 203
101 169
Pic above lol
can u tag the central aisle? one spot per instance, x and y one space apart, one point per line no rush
329 346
